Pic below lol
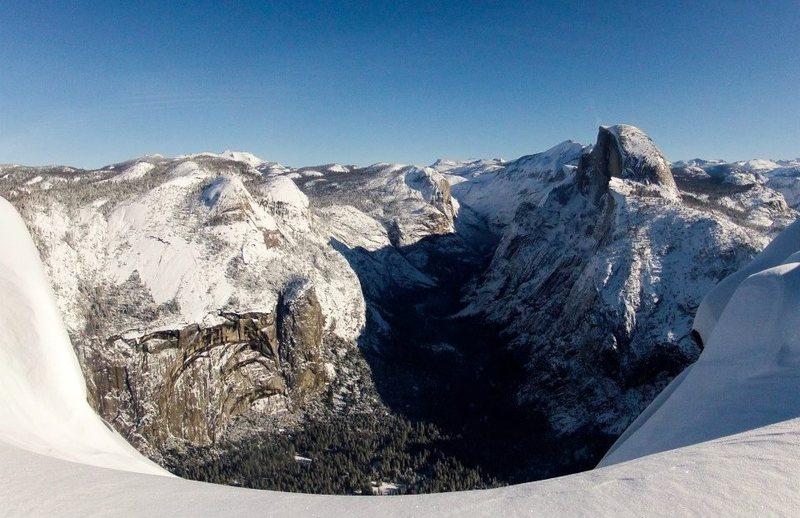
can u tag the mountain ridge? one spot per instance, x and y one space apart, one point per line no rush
563 255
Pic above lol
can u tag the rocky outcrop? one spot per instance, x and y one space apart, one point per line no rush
188 383
300 324
625 152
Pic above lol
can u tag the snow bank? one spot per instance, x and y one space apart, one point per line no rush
753 474
748 373
43 405
709 312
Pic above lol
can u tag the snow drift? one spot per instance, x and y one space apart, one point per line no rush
43 404
748 373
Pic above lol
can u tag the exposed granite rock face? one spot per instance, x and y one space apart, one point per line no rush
189 383
300 324
625 152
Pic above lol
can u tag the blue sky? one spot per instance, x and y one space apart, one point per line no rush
358 82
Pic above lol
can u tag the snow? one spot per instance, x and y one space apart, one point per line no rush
227 194
384 488
637 144
281 189
238 156
137 170
337 168
496 192
781 175
242 156
713 305
640 271
722 439
43 406
160 254
385 167
752 474
747 375
758 165
467 168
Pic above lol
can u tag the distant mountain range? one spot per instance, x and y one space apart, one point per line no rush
213 296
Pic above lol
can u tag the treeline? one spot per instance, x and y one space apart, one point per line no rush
348 454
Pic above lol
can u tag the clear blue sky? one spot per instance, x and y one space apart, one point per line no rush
359 82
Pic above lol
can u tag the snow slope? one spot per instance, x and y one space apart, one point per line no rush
751 474
748 373
43 406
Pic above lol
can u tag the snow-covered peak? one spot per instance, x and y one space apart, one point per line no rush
697 162
782 176
243 156
626 152
758 165
282 190
467 168
337 168
635 142
384 167
642 159
551 162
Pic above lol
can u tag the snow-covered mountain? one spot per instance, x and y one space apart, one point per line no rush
597 276
208 292
199 289
745 366
780 175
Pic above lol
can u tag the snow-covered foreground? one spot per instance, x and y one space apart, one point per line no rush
749 372
752 474
43 404
59 459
